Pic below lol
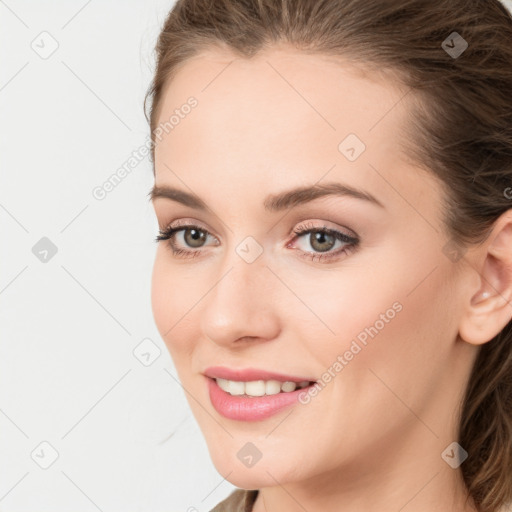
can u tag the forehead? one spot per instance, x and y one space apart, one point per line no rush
291 84
281 114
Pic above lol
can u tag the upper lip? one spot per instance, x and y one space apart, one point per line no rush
250 374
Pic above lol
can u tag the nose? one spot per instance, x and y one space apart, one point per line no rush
240 305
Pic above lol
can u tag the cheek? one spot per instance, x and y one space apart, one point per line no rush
393 317
358 300
160 303
172 297
410 351
402 361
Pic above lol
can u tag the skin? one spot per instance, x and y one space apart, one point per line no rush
372 439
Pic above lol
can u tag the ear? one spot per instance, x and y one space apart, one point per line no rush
488 308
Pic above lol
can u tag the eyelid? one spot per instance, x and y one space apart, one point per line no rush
188 223
184 223
324 226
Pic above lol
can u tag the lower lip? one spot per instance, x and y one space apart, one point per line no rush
250 408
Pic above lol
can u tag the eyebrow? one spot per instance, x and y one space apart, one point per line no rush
275 202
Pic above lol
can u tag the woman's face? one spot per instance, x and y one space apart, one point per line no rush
378 311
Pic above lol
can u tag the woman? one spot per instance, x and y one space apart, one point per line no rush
333 278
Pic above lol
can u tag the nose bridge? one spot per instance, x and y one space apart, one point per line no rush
237 305
245 265
245 278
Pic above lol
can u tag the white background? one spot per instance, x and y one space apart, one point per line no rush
68 326
68 375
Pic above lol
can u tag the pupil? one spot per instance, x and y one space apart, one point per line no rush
321 238
194 235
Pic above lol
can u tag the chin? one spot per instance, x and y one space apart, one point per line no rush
252 478
263 473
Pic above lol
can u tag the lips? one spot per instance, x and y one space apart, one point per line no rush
250 408
243 408
252 374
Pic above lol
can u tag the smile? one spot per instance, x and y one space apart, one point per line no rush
247 406
259 387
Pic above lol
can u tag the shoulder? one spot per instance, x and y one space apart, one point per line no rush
240 500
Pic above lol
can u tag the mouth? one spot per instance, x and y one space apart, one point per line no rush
252 375
253 395
256 388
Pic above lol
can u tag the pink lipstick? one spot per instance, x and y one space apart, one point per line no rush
243 407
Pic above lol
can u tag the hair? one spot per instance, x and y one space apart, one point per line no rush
461 120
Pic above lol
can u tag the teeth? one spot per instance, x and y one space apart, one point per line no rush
235 388
255 388
272 387
288 386
259 387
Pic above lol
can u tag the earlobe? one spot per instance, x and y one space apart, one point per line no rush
489 308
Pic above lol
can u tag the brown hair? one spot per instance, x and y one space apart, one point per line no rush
461 121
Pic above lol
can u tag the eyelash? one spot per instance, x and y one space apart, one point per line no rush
352 242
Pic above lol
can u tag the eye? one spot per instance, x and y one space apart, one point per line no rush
188 235
322 239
